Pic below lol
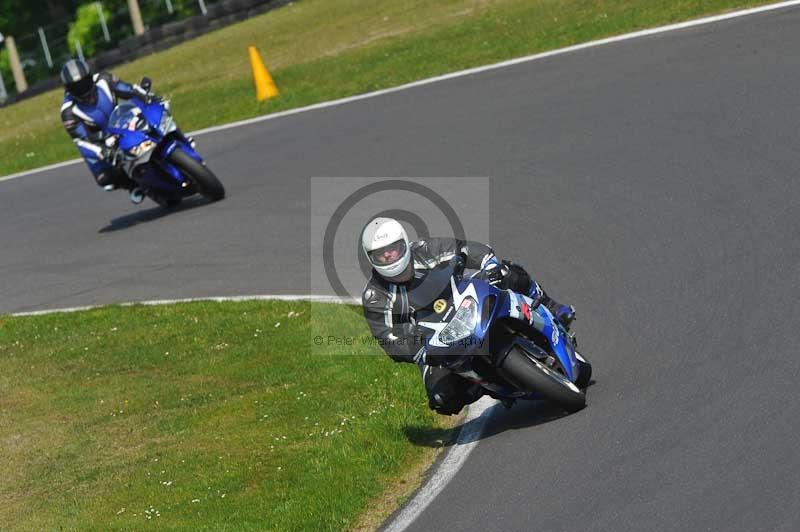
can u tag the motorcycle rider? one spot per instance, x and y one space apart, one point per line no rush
399 267
89 99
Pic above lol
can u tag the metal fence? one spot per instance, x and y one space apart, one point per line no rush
43 52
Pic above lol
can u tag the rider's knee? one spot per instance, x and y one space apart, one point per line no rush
112 176
104 178
445 405
449 393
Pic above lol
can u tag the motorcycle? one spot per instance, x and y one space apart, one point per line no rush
504 341
153 152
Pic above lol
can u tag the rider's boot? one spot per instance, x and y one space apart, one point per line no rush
564 314
137 195
124 182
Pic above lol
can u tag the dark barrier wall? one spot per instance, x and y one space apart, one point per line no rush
219 15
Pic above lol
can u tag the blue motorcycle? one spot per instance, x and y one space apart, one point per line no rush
503 341
155 154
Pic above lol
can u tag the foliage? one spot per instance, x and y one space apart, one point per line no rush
65 21
23 17
5 71
87 30
155 14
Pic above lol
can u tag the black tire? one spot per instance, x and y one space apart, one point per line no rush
204 179
533 376
585 375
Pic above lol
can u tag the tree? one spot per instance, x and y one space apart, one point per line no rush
87 30
23 17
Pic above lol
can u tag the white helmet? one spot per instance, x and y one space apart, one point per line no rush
386 244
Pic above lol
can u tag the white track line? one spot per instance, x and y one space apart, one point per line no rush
288 297
40 169
477 416
461 73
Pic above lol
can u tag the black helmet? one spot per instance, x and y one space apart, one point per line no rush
76 75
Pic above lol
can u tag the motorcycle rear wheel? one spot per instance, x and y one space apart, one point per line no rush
204 179
534 376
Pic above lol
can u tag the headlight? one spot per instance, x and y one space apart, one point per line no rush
167 124
144 147
462 324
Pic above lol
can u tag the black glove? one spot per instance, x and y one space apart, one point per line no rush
146 95
411 343
493 273
110 152
107 154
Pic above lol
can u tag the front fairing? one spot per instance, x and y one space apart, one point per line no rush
493 305
520 307
129 124
560 342
484 295
128 140
152 113
134 123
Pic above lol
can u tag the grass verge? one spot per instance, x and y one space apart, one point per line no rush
325 49
204 416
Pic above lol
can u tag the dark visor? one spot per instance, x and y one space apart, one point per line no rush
81 89
388 254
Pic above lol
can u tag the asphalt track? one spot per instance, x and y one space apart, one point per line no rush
652 183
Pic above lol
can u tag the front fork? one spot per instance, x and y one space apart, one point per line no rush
174 140
177 139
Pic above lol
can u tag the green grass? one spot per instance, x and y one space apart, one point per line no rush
201 416
324 49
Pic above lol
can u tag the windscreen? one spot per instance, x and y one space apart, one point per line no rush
124 116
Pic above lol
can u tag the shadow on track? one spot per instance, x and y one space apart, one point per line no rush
525 414
522 415
152 214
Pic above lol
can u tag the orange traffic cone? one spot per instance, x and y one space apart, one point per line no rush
265 86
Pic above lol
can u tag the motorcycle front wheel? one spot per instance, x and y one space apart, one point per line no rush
204 179
533 376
